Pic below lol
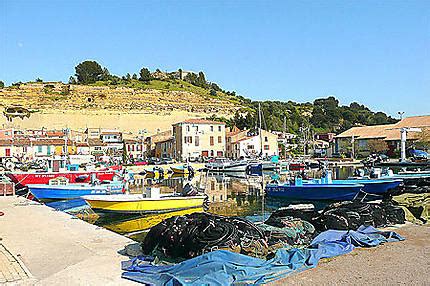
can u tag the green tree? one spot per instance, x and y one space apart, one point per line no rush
106 75
145 75
134 76
72 80
191 78
88 72
201 80
1 84
39 79
127 77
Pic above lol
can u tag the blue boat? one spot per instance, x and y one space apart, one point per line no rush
60 190
309 191
371 186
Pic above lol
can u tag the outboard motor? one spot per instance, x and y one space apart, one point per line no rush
189 190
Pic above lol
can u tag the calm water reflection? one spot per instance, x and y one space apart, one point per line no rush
229 195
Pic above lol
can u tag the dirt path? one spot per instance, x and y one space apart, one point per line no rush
399 263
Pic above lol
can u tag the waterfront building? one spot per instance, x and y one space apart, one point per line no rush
242 144
134 148
361 136
199 138
165 148
151 141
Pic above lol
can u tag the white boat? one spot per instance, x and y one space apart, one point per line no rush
226 165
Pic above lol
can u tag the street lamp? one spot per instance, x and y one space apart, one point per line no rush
142 137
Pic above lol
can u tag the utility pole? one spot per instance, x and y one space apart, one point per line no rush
261 138
401 114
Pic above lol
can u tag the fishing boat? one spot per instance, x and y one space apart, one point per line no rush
149 202
226 165
370 186
314 191
60 189
23 179
184 169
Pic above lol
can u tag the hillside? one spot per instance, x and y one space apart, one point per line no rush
131 106
153 101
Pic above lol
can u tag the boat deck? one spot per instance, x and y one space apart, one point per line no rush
58 249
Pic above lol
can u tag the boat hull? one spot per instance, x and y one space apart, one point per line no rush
144 205
314 191
178 170
42 192
377 187
23 179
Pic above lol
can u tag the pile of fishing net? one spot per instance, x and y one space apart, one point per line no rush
198 233
194 234
345 215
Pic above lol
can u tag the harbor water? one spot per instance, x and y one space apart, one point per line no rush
229 194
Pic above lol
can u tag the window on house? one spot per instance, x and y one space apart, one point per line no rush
188 128
211 140
219 139
250 147
39 149
197 128
212 128
212 153
197 141
265 139
219 128
266 147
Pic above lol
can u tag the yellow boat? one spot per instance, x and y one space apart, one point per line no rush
139 203
146 222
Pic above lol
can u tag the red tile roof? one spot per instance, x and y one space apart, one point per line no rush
200 121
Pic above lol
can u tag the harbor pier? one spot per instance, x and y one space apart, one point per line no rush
41 246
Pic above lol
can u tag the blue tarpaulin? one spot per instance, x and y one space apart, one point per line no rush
225 268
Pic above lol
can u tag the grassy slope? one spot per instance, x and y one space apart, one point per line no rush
172 85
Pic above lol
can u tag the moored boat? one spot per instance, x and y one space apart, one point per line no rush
59 188
184 169
226 165
309 191
23 179
371 186
139 203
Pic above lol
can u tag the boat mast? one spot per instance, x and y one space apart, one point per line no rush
259 131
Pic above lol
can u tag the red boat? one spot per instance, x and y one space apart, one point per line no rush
22 179
297 166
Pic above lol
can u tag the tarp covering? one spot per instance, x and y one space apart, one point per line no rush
225 268
416 207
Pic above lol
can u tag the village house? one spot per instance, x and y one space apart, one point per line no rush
97 147
151 141
359 137
134 148
247 144
165 148
323 145
199 138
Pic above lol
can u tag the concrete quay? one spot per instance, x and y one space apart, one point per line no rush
41 246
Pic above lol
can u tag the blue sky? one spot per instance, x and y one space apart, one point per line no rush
373 52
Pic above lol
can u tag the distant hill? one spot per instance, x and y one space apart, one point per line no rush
152 101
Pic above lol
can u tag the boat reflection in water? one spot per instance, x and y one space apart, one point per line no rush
129 225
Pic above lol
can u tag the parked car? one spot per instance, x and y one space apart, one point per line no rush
167 160
419 155
140 163
154 161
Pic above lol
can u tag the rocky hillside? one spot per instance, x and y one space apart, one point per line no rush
154 97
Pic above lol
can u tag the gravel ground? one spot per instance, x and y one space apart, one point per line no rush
398 263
